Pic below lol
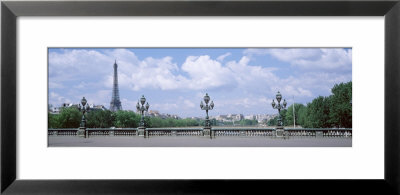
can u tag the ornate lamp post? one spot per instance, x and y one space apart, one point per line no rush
207 126
141 107
84 107
279 107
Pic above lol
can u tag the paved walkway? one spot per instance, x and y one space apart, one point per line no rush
192 141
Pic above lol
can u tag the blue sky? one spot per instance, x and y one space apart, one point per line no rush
174 80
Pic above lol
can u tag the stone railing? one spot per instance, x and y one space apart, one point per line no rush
215 132
63 132
319 132
174 131
242 131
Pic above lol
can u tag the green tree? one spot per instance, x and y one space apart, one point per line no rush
126 119
318 113
340 106
289 114
247 122
273 121
283 114
53 121
99 119
302 118
147 122
156 122
69 118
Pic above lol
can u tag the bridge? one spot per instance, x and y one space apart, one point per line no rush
215 132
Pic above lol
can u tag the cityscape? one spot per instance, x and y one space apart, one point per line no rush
229 119
169 82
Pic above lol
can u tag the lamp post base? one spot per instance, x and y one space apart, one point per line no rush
82 132
207 131
279 132
141 131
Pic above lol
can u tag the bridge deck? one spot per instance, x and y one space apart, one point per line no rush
190 141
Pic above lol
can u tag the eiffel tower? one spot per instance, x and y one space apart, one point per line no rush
115 103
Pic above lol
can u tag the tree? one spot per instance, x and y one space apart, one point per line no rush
126 119
273 122
340 108
289 113
302 118
247 122
99 119
156 122
69 118
147 122
53 121
318 113
283 115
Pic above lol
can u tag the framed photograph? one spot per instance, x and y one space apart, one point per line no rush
239 81
197 95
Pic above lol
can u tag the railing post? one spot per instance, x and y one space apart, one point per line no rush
140 131
111 133
82 132
279 131
207 131
212 132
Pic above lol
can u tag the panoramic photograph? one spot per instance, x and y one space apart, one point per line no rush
199 97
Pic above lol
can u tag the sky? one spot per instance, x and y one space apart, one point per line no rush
175 80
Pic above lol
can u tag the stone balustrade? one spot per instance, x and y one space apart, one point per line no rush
215 131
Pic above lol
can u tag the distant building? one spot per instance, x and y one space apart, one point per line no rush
196 118
54 110
57 110
97 107
221 117
155 113
69 105
229 117
250 117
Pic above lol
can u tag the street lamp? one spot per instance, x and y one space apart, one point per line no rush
279 107
207 126
142 107
84 107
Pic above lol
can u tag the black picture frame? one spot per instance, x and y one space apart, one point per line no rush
10 10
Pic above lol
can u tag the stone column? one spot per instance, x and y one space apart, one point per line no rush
82 132
141 131
279 131
207 131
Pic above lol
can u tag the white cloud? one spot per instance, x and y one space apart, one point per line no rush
165 107
152 73
222 57
189 104
298 92
56 99
250 84
336 59
55 85
77 64
206 73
